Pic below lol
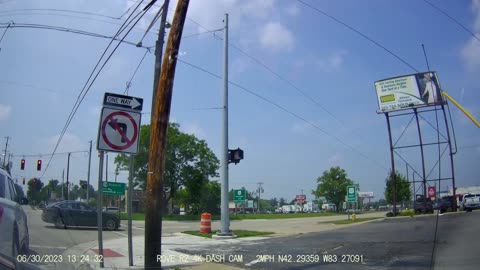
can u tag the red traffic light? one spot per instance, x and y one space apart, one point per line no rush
39 165
22 164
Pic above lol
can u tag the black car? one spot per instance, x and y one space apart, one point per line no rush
423 205
77 214
445 204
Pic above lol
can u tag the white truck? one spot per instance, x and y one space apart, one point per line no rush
470 202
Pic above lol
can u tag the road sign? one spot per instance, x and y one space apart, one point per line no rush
301 198
351 194
239 195
113 188
431 192
119 131
122 102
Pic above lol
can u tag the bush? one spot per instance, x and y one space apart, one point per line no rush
390 214
406 213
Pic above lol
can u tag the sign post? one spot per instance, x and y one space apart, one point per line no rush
118 131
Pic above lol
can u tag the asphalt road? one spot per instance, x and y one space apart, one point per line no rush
400 243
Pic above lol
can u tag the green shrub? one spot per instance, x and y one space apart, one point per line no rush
390 214
406 213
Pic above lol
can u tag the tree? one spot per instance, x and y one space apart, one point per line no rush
33 193
210 200
273 203
333 186
402 188
189 163
19 191
282 201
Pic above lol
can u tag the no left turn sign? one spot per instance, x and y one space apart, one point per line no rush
119 131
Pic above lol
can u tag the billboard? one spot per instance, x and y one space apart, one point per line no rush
301 198
367 194
416 90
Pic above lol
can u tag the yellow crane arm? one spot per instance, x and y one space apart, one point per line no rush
461 108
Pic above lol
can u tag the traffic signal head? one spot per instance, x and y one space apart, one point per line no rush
235 155
22 164
23 181
39 165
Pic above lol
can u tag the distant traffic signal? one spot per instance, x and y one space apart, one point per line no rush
39 165
22 164
24 181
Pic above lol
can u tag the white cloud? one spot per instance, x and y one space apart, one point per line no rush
471 50
333 62
5 111
274 36
70 142
471 53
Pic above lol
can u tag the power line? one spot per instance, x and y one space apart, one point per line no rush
129 83
50 154
285 110
86 89
359 33
453 19
64 29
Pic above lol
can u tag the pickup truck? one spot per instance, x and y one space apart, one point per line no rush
470 202
423 205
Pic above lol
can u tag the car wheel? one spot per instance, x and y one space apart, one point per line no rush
110 225
59 223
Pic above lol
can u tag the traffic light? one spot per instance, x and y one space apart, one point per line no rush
235 155
39 165
22 164
24 181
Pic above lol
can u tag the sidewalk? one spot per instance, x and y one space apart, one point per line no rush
116 250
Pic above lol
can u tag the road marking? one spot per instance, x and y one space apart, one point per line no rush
339 247
122 234
252 263
35 246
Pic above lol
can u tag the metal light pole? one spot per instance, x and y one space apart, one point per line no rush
89 163
225 230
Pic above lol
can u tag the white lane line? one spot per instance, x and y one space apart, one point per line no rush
122 234
49 247
252 263
339 247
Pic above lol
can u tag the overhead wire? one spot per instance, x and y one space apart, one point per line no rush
358 32
453 19
85 89
129 83
285 110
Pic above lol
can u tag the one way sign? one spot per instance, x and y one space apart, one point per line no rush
120 101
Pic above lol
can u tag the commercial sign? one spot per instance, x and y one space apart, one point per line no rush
416 90
301 198
239 195
351 194
365 194
431 192
113 188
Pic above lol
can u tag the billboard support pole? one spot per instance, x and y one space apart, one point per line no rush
423 159
392 157
454 192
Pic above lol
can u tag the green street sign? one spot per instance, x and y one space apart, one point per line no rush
239 195
112 188
351 194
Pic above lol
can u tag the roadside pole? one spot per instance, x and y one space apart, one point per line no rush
158 140
68 173
89 163
129 194
224 213
99 208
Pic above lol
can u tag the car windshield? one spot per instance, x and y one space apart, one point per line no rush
240 134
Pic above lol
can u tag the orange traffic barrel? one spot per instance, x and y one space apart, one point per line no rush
206 223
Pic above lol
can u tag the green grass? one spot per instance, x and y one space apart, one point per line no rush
349 221
238 233
141 216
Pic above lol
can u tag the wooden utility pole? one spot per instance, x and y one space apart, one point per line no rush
158 141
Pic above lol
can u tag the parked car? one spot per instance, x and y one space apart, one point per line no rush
77 214
470 202
14 237
445 204
423 205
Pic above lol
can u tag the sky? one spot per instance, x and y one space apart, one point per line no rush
315 78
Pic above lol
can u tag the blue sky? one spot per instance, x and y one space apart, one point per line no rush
43 71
